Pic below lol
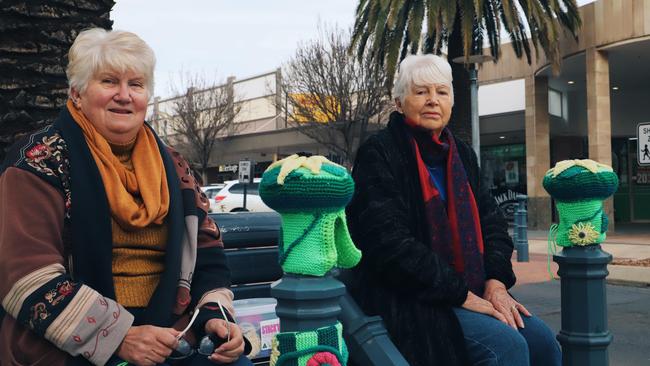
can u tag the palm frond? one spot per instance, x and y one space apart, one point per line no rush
467 25
414 28
396 40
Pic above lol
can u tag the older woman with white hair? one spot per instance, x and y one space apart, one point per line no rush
436 250
107 249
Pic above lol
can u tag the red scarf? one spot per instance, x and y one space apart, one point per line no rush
455 228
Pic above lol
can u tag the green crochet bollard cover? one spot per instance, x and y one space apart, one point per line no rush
323 346
579 188
311 194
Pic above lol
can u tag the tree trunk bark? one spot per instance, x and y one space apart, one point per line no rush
35 36
461 117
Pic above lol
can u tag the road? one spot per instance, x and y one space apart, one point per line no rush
628 317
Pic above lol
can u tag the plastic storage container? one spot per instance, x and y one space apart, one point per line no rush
258 322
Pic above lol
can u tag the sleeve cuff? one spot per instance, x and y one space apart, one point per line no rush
114 338
209 311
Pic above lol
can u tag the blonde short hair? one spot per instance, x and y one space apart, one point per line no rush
96 50
422 70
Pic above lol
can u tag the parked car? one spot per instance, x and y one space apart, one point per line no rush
231 198
211 192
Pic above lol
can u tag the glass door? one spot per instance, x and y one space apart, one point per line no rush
639 187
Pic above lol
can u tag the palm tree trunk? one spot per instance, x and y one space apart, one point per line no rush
461 117
35 36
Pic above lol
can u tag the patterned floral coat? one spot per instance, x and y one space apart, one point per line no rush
56 244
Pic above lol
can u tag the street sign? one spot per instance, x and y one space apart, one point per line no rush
643 143
245 175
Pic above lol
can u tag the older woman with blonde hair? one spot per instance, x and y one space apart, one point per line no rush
106 245
436 251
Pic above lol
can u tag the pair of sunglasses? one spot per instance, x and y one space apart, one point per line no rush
207 345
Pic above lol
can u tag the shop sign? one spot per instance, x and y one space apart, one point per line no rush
643 144
643 175
507 201
512 172
228 168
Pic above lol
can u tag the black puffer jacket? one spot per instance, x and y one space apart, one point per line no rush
400 277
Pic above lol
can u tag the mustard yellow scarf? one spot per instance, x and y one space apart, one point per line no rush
147 181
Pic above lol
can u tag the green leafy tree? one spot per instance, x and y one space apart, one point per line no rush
390 29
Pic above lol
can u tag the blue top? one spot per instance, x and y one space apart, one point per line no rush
438 175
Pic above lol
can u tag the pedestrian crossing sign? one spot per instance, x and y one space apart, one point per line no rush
643 143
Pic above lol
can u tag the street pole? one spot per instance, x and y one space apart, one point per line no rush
584 335
476 132
579 188
521 229
472 62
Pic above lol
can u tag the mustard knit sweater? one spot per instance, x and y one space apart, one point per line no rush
138 256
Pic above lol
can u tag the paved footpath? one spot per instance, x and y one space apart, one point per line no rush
628 306
619 246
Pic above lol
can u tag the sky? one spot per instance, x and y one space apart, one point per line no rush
221 38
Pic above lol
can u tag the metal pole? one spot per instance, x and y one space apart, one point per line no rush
521 227
584 335
476 132
245 186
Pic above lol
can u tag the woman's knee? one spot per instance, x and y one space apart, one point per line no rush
515 350
544 349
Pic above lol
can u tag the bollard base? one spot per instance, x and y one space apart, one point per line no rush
582 357
584 336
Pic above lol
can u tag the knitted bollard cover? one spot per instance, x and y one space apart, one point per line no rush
579 188
321 347
311 194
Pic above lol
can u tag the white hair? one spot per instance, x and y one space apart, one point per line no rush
422 70
97 50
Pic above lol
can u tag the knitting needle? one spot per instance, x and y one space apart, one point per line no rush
196 313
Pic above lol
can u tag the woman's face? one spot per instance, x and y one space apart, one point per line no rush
427 107
115 103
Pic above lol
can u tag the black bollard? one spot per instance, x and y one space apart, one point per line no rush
521 229
306 303
367 338
584 335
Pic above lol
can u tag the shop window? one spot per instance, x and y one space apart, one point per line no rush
555 103
504 167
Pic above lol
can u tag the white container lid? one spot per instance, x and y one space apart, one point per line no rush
261 305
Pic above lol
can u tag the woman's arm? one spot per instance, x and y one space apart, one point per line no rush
36 289
378 217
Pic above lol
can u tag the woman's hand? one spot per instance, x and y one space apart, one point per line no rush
147 345
498 296
478 305
230 351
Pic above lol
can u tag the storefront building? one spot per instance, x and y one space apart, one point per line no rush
531 118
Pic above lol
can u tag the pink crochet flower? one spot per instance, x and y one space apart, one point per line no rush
323 359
